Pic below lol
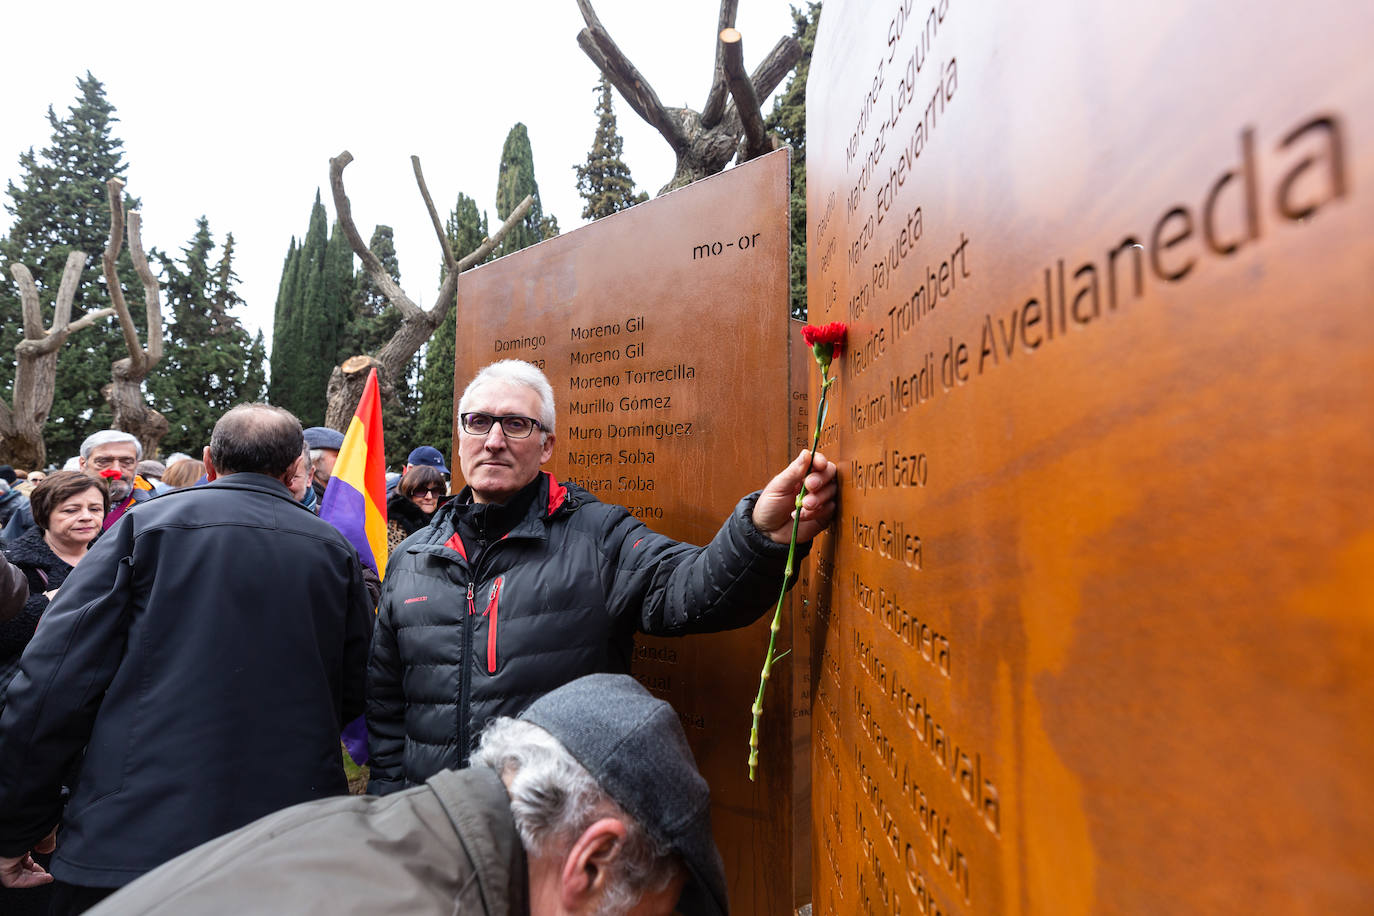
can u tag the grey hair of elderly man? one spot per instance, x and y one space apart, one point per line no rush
107 436
590 803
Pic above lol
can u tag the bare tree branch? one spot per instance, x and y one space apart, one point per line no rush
109 260
28 298
597 43
742 91
449 262
705 142
448 291
88 319
125 391
35 372
344 210
715 99
779 62
152 304
417 324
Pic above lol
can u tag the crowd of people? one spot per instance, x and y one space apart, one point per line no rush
179 655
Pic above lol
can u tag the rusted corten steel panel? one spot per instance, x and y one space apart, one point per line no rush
663 330
1095 631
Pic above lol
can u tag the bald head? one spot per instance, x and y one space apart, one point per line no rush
256 439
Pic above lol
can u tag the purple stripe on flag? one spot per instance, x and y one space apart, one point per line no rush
345 508
355 740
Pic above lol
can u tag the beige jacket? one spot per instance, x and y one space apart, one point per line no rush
447 847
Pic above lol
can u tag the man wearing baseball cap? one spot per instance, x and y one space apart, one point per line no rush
427 456
590 802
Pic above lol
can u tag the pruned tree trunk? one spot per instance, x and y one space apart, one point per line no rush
704 141
35 375
417 325
125 392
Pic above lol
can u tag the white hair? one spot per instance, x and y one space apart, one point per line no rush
553 800
517 372
105 437
177 456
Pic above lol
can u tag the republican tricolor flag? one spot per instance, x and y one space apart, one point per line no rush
355 500
355 503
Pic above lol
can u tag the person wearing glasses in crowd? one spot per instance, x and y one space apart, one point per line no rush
422 490
112 455
523 583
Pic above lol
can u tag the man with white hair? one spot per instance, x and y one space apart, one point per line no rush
523 583
110 451
113 455
589 803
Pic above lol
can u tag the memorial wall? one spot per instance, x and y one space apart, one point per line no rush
664 332
1094 632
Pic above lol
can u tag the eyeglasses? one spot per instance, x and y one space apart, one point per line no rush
514 427
104 462
436 492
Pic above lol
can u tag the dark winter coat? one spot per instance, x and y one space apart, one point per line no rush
14 590
208 649
11 501
45 571
469 631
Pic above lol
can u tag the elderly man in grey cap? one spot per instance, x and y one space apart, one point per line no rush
324 444
589 803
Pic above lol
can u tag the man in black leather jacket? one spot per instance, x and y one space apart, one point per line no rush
523 583
14 590
205 653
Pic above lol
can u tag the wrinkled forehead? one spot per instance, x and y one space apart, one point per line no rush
115 450
502 398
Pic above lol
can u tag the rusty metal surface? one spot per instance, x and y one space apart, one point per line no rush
663 330
1095 633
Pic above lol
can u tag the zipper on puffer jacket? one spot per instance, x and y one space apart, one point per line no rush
490 613
465 680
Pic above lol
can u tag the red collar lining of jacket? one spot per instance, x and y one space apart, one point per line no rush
456 543
557 493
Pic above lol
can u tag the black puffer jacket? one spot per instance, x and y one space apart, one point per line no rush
560 596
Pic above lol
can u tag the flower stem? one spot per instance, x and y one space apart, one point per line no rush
769 659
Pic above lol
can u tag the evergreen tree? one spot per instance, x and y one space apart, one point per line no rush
788 121
209 363
314 309
466 229
373 321
285 349
513 183
605 182
59 205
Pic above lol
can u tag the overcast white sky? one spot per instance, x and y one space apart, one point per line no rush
234 110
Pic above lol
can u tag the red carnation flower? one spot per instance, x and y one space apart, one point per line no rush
833 333
827 342
111 474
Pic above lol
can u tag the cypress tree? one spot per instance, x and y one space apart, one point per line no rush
314 309
514 181
788 121
605 182
466 229
59 205
284 349
209 363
